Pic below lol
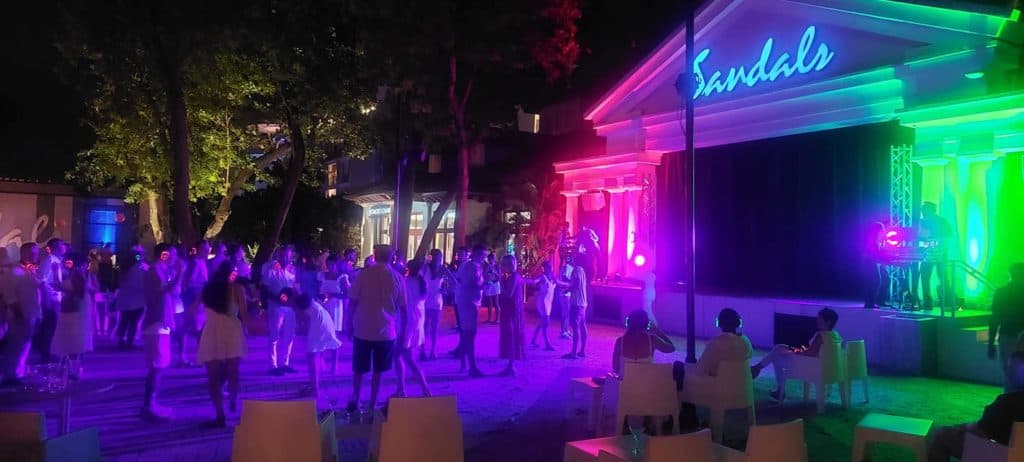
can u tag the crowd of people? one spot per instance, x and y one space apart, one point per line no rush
192 307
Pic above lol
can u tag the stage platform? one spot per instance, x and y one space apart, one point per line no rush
898 342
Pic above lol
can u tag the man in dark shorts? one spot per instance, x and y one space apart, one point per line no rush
378 295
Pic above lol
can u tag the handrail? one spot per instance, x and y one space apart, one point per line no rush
974 273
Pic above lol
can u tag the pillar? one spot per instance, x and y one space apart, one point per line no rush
572 204
618 232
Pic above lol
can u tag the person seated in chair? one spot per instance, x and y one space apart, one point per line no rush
638 344
996 421
730 345
827 319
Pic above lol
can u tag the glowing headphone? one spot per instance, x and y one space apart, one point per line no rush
737 327
647 327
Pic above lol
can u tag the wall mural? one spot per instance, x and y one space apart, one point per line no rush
32 218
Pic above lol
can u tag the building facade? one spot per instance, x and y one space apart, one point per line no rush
951 77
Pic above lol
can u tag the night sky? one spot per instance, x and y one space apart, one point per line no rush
42 113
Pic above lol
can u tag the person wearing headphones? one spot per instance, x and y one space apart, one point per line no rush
638 344
730 345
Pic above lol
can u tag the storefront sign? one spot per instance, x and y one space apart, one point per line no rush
378 210
765 69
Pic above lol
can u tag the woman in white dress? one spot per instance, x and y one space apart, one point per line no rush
334 287
546 285
222 343
321 337
74 333
433 277
411 328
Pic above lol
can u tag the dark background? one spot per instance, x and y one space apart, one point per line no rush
790 216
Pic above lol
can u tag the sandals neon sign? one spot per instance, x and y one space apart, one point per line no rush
784 65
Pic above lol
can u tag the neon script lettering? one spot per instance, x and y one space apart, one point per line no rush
784 65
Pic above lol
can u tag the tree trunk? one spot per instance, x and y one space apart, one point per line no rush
234 187
154 211
457 108
462 197
292 177
435 221
179 151
403 203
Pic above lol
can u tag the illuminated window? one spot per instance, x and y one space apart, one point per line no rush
332 174
101 228
332 192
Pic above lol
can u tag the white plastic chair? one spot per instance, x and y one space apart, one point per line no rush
647 390
770 443
605 456
856 368
672 448
732 388
979 449
277 431
420 429
23 438
828 368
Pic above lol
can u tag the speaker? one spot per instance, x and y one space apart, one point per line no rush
593 201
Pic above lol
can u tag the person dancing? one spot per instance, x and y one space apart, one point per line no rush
433 277
411 330
545 296
74 333
512 335
467 302
222 341
320 339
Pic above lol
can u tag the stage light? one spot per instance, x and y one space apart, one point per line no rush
892 237
974 75
639 260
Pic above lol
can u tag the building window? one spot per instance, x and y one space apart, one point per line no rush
332 174
444 238
331 192
517 220
416 226
101 228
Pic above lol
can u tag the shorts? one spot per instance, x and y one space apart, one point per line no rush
158 350
578 313
379 354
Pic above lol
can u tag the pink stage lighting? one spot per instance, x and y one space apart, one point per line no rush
892 237
639 260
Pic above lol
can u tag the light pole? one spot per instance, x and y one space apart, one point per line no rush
691 282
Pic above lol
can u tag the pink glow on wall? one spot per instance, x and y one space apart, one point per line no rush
631 224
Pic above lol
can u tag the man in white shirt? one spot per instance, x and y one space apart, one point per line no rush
131 300
160 285
378 295
52 274
730 345
25 310
277 275
578 302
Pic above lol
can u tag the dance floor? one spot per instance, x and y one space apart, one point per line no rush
505 419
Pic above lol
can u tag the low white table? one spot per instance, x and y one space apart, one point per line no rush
595 393
881 428
587 450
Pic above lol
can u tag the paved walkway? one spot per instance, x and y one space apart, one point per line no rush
505 419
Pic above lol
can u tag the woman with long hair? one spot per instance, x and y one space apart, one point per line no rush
411 328
512 335
320 339
74 333
433 277
222 344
